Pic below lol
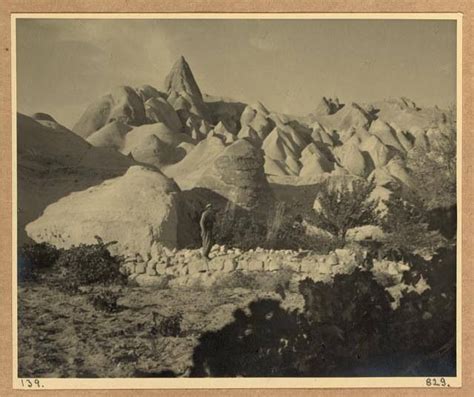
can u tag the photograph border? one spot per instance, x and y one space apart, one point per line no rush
180 383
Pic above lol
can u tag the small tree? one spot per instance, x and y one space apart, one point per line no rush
434 169
405 225
341 209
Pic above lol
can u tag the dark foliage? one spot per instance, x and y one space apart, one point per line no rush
167 325
341 209
355 308
88 265
292 235
434 168
238 228
444 220
252 345
426 322
347 329
105 301
406 225
34 259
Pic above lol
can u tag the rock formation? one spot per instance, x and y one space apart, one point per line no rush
158 110
138 210
111 135
184 93
238 175
154 144
52 163
328 106
282 148
314 162
122 104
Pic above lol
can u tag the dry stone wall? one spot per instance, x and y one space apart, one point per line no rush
187 267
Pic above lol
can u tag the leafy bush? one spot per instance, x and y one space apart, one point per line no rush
292 235
105 301
355 306
238 228
406 227
88 264
167 325
252 345
347 329
346 207
33 259
434 169
428 320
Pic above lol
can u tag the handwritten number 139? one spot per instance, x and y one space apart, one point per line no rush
29 384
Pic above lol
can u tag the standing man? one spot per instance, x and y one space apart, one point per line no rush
207 223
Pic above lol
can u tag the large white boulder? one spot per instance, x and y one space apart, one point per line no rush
53 162
138 210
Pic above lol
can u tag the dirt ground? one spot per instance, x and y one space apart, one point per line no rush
64 336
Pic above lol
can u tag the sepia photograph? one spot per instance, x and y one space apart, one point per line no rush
238 198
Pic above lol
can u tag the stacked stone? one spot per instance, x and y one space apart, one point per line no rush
187 267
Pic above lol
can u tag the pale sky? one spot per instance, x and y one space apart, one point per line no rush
288 65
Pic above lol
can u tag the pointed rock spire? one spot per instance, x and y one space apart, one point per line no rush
181 79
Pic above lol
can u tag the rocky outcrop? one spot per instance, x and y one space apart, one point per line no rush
181 79
139 210
314 162
221 131
282 148
328 106
155 144
188 171
386 134
53 162
122 104
237 174
258 118
111 135
184 93
225 110
354 161
250 134
158 110
319 134
146 92
39 116
350 116
378 152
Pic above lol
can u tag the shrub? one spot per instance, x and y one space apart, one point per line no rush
292 235
434 169
252 345
428 320
342 324
238 228
167 325
88 264
34 259
406 228
354 306
341 209
346 329
105 301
